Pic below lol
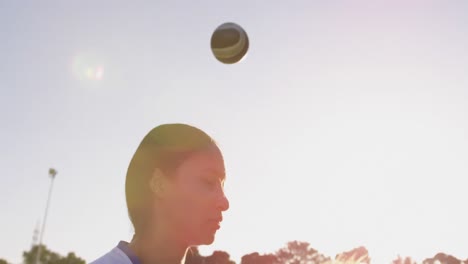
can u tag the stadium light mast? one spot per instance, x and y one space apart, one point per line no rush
52 173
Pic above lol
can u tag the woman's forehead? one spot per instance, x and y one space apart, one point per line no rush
210 161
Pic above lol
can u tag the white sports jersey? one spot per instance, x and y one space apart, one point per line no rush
121 254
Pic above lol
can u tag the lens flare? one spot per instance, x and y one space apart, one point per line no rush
87 67
99 73
89 73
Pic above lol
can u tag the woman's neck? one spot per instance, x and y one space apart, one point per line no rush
158 250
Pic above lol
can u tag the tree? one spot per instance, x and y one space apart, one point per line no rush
2 261
297 252
219 257
255 258
405 260
357 255
49 257
71 258
442 258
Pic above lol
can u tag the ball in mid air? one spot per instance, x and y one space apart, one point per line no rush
229 43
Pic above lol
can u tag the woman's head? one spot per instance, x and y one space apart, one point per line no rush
175 180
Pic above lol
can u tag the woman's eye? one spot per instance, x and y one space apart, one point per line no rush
209 183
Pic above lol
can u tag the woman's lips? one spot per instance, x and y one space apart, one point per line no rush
215 224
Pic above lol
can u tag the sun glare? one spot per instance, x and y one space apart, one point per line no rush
86 67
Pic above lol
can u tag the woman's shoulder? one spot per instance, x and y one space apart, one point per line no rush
115 256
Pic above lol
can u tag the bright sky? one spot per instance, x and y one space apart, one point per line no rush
346 125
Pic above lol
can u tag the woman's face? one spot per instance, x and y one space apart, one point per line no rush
195 198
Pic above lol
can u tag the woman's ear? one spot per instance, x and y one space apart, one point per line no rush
157 183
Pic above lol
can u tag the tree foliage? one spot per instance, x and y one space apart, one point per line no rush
256 258
297 252
218 257
50 257
442 258
357 255
404 260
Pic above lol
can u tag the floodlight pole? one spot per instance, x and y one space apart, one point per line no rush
52 173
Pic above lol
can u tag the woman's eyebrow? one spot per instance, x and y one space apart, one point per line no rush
218 173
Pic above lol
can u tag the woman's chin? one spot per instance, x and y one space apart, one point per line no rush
210 240
205 240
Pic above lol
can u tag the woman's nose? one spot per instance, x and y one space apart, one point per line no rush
223 202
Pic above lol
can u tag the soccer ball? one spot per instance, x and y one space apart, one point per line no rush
229 43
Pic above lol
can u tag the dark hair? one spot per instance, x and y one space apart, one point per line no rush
165 147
